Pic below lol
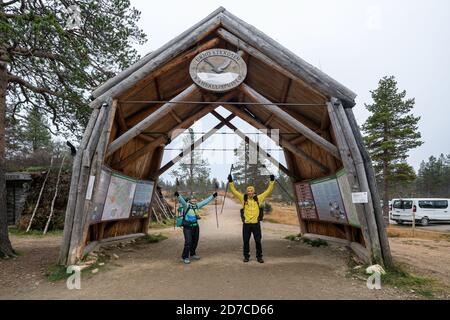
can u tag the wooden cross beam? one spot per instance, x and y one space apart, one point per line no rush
247 139
194 145
151 119
286 117
196 114
162 139
257 123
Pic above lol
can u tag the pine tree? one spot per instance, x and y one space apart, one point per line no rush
36 133
433 178
49 62
391 131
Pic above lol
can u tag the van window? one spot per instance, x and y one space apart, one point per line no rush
440 204
426 204
397 204
403 204
433 204
407 204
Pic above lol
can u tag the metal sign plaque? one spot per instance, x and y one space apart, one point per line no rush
218 70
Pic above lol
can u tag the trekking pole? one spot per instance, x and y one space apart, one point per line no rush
281 187
226 191
216 185
177 183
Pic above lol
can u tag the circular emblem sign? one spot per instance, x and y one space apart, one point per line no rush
218 70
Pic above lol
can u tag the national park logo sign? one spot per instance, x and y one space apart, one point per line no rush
218 70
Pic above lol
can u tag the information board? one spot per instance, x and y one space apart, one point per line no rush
119 198
305 199
100 195
142 199
328 200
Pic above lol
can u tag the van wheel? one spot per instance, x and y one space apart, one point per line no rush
399 222
424 221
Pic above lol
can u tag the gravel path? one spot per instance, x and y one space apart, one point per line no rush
154 271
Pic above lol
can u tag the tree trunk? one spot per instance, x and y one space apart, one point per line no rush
385 190
6 249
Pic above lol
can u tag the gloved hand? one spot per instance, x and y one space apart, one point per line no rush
230 178
215 194
272 177
176 194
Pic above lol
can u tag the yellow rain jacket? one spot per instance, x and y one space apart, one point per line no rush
251 209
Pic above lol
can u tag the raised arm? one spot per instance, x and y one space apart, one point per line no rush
233 190
205 201
181 199
269 189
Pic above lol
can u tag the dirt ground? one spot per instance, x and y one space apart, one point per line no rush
155 271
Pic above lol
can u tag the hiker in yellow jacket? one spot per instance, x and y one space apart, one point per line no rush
251 215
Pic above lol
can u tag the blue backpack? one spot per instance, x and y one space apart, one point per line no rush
185 220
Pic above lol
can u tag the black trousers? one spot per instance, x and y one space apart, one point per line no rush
247 230
191 236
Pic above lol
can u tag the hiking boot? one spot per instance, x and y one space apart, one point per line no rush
195 257
246 259
186 261
260 260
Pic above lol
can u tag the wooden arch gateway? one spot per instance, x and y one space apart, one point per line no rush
138 112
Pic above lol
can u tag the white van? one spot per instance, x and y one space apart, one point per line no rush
426 210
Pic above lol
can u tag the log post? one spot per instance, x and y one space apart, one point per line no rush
370 174
368 228
73 193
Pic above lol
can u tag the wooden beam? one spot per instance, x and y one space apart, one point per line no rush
163 139
194 145
286 117
119 87
194 32
196 114
247 139
299 139
175 116
286 59
224 34
121 119
151 119
266 123
282 142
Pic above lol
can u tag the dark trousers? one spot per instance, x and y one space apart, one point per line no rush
191 235
247 230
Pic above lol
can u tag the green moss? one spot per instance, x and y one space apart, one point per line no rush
401 279
153 238
312 242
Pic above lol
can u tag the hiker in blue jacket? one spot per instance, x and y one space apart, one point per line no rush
190 225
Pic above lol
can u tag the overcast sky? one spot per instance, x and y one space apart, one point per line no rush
356 42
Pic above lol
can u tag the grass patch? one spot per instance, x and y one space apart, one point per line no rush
167 223
35 233
57 273
312 242
153 238
294 237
